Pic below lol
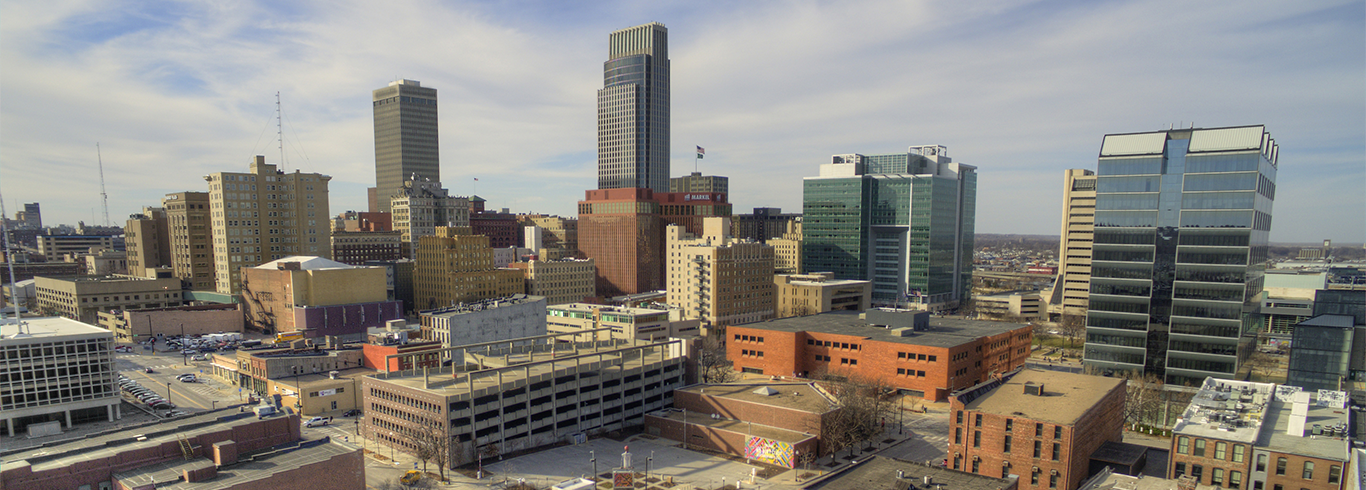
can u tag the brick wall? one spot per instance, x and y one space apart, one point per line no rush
773 416
900 365
701 436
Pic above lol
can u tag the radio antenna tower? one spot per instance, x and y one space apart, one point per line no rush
103 195
280 130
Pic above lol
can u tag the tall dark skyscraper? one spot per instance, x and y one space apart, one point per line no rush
405 138
633 110
1181 226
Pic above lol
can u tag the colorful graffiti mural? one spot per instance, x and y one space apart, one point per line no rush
769 451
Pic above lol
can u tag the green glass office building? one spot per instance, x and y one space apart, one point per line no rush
1181 227
903 221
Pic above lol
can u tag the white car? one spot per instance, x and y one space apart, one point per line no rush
198 358
318 421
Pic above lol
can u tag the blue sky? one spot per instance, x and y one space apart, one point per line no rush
177 90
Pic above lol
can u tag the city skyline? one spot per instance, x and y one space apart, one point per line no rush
174 93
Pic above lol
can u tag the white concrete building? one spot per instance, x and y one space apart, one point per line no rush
491 320
56 370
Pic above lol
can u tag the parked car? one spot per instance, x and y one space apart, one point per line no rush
355 412
318 421
187 378
198 358
148 370
189 352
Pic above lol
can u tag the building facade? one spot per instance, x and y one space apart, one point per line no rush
603 322
1078 226
406 140
560 281
911 352
142 324
718 279
633 110
420 207
455 266
787 250
53 247
903 221
264 215
359 247
559 234
81 298
739 418
621 231
56 370
1182 220
498 403
509 317
316 296
696 182
1040 425
1240 434
190 224
764 224
810 294
146 240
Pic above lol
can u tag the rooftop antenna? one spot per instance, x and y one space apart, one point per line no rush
103 195
279 130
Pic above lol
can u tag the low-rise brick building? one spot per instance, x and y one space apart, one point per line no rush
220 450
910 351
880 472
774 423
1261 436
1040 425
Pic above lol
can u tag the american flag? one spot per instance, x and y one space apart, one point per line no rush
701 152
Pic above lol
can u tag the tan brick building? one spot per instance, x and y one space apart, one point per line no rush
559 281
190 224
263 215
1040 425
716 278
1261 436
819 292
1073 284
787 251
456 266
83 297
622 322
146 241
141 324
420 207
918 355
317 296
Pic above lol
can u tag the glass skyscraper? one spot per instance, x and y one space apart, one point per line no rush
1181 226
633 110
406 141
904 221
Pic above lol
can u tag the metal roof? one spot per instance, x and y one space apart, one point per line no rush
1227 139
1133 144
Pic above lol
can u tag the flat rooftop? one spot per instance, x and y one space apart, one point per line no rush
1274 436
263 464
1066 397
735 426
943 332
494 371
1228 410
794 396
588 308
488 304
46 328
122 440
879 472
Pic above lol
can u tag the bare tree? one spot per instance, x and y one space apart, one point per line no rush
1074 327
1263 362
712 363
863 406
1142 397
432 442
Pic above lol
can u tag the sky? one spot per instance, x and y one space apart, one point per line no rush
174 91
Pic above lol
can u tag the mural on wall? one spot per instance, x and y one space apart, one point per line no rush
769 451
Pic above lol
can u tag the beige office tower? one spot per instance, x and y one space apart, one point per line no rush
719 279
456 266
419 207
406 140
190 227
264 215
559 235
560 281
1073 283
145 240
787 251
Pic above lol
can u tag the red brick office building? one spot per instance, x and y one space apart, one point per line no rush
775 423
1040 425
622 230
918 355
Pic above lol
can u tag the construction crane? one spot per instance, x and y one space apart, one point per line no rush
103 195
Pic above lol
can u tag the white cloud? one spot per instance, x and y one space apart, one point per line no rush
1022 90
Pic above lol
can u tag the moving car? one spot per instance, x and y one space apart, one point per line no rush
148 371
187 378
355 412
318 421
198 358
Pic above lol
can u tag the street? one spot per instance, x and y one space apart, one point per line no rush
206 394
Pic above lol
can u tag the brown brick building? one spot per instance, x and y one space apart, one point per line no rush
622 230
1261 436
1040 425
221 449
918 355
774 423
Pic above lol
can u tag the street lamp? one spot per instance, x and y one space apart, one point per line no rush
183 356
168 392
593 458
648 460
